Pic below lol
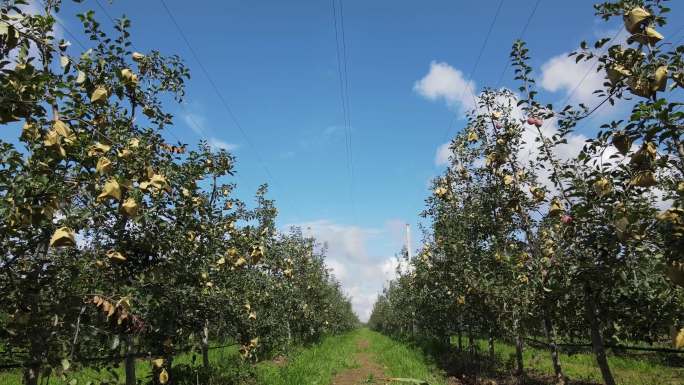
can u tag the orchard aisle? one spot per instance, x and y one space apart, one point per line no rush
358 357
366 369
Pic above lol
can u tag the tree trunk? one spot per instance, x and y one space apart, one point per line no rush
596 338
31 375
471 342
129 362
491 345
519 368
205 345
289 332
551 340
32 370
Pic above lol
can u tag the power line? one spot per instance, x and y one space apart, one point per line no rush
105 11
475 65
73 36
343 98
572 93
114 22
520 36
586 75
349 124
341 54
346 84
218 93
479 55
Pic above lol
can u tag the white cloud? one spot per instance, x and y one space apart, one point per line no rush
529 147
218 144
361 273
442 154
32 9
339 269
195 122
562 73
659 199
345 242
396 229
448 83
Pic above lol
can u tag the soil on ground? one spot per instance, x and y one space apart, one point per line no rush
366 370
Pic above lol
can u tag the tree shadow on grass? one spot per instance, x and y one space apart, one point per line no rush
474 367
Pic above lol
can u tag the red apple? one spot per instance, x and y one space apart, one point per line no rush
531 120
538 122
567 219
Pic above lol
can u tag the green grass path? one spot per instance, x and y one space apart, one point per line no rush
318 365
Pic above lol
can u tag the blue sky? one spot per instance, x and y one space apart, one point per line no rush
275 63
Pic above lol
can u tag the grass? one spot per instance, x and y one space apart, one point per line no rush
402 360
142 369
319 363
627 370
314 365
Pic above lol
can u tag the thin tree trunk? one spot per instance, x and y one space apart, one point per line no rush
551 340
205 344
596 338
289 332
471 342
129 362
32 370
31 375
491 345
519 366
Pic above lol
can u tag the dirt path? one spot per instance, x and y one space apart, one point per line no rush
367 372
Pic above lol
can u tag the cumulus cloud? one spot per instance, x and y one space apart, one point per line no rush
195 122
446 82
576 80
442 154
361 273
345 242
529 147
218 144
